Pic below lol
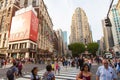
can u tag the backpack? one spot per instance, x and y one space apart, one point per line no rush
48 76
10 72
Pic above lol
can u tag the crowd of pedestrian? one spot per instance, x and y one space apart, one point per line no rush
109 69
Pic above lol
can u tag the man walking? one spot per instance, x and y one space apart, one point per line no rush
105 72
80 62
12 72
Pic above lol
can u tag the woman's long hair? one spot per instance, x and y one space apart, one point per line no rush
84 66
34 75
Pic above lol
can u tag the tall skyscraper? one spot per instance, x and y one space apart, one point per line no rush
118 6
108 36
115 20
80 29
65 37
105 35
65 41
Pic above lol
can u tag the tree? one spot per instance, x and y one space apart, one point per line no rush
92 48
76 48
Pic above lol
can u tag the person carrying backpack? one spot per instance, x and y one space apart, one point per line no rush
48 75
12 72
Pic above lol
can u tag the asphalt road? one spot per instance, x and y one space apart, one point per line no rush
26 69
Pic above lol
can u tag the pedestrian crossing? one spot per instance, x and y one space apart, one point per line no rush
65 74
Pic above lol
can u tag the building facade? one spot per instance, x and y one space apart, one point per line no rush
105 32
60 36
115 20
118 6
80 29
55 43
44 43
65 42
101 46
7 11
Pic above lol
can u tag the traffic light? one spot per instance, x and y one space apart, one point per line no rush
107 22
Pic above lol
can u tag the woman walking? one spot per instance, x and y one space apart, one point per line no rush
85 73
34 75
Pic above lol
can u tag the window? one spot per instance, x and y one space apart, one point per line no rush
13 46
34 3
23 45
34 46
0 39
1 5
10 46
6 2
2 23
3 44
5 36
8 14
25 3
16 46
31 45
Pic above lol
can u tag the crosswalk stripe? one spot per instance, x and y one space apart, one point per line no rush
65 74
65 77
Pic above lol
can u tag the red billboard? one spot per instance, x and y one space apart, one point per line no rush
24 27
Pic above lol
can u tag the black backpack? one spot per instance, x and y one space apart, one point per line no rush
10 72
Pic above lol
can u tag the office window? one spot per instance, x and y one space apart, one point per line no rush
5 36
16 46
23 45
9 46
1 5
25 3
31 45
13 46
6 2
34 3
34 46
0 39
3 44
8 14
2 23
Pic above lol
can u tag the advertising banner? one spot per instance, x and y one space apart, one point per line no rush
34 27
24 27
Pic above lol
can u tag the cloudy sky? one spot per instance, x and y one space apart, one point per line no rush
61 12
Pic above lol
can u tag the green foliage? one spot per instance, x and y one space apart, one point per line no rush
92 48
76 48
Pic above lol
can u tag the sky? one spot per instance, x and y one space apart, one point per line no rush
61 12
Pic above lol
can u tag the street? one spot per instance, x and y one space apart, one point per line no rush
26 69
65 74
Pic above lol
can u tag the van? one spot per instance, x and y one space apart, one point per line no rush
108 55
